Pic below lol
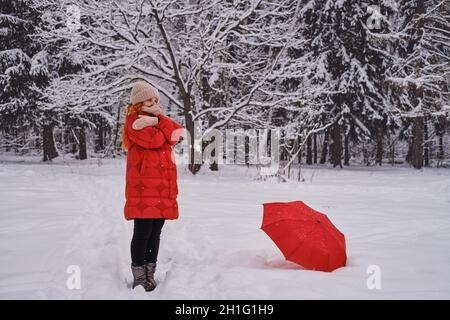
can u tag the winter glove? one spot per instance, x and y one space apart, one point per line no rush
154 110
144 121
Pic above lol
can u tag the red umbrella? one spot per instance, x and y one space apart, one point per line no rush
304 236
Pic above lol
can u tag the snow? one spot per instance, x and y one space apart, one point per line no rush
10 56
39 64
70 213
11 19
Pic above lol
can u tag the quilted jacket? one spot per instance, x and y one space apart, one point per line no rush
151 175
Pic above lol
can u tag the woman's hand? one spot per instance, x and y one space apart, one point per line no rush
144 121
155 110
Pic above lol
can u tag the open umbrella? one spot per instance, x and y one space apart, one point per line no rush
304 236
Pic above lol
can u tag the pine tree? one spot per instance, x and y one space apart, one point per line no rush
419 75
26 72
18 64
346 62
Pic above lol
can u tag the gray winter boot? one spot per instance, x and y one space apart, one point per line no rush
140 277
150 268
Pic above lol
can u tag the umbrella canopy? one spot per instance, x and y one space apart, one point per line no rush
304 236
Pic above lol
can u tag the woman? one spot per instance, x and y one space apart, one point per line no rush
151 178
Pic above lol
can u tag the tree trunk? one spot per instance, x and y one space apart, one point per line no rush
323 156
100 143
48 143
315 147
392 151
426 146
82 150
418 126
346 151
74 145
441 126
408 157
365 153
417 143
185 93
441 153
309 155
193 157
116 131
300 153
336 146
214 166
379 139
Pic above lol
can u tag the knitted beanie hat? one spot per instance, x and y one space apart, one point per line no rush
143 91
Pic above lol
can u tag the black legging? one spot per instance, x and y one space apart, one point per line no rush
145 242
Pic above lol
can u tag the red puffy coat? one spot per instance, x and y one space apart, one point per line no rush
151 177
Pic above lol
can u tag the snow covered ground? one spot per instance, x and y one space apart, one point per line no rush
68 213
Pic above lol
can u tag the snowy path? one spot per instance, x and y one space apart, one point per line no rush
54 216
